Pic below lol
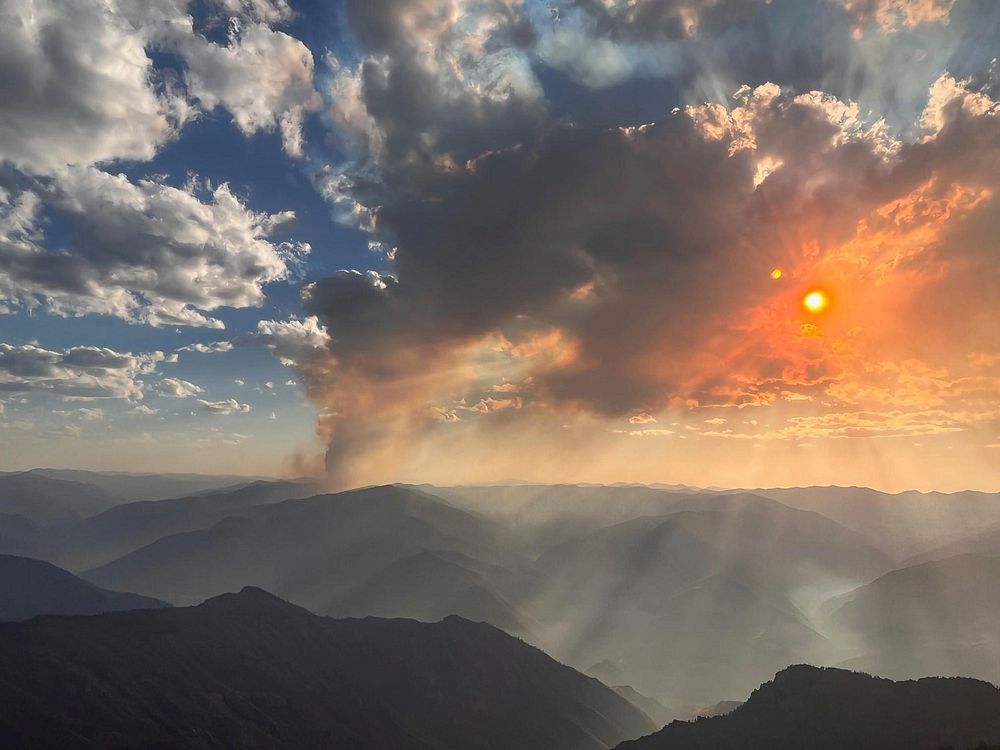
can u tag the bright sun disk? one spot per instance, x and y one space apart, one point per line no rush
815 301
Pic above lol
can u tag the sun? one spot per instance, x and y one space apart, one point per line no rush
816 301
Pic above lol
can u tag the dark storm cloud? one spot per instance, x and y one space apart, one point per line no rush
653 20
639 214
438 82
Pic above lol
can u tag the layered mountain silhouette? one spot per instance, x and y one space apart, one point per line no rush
29 588
252 671
834 709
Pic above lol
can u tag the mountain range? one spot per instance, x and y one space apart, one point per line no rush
688 597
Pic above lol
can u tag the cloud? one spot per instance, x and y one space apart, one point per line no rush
69 431
176 388
627 270
224 408
890 15
79 87
83 89
646 432
641 418
263 77
652 20
209 348
302 344
438 83
266 11
142 251
80 372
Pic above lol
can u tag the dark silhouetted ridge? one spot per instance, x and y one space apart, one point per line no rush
834 709
249 670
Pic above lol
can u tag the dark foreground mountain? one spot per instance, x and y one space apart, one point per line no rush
833 709
249 670
32 587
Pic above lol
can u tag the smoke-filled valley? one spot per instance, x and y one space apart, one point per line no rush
686 597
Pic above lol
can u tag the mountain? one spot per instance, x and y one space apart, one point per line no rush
252 671
18 536
429 586
655 710
984 542
697 604
833 709
903 525
131 487
29 588
44 501
102 538
938 617
549 514
311 551
702 602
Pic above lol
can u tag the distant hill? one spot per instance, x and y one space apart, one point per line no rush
249 670
29 588
903 524
44 501
833 709
939 617
983 542
549 514
429 586
311 551
124 528
132 486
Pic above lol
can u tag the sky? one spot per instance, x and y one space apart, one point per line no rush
709 242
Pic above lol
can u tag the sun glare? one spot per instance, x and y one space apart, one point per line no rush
815 301
776 274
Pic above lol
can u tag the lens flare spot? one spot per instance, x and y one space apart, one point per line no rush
776 273
816 301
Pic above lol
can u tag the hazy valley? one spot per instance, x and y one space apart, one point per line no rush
678 599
